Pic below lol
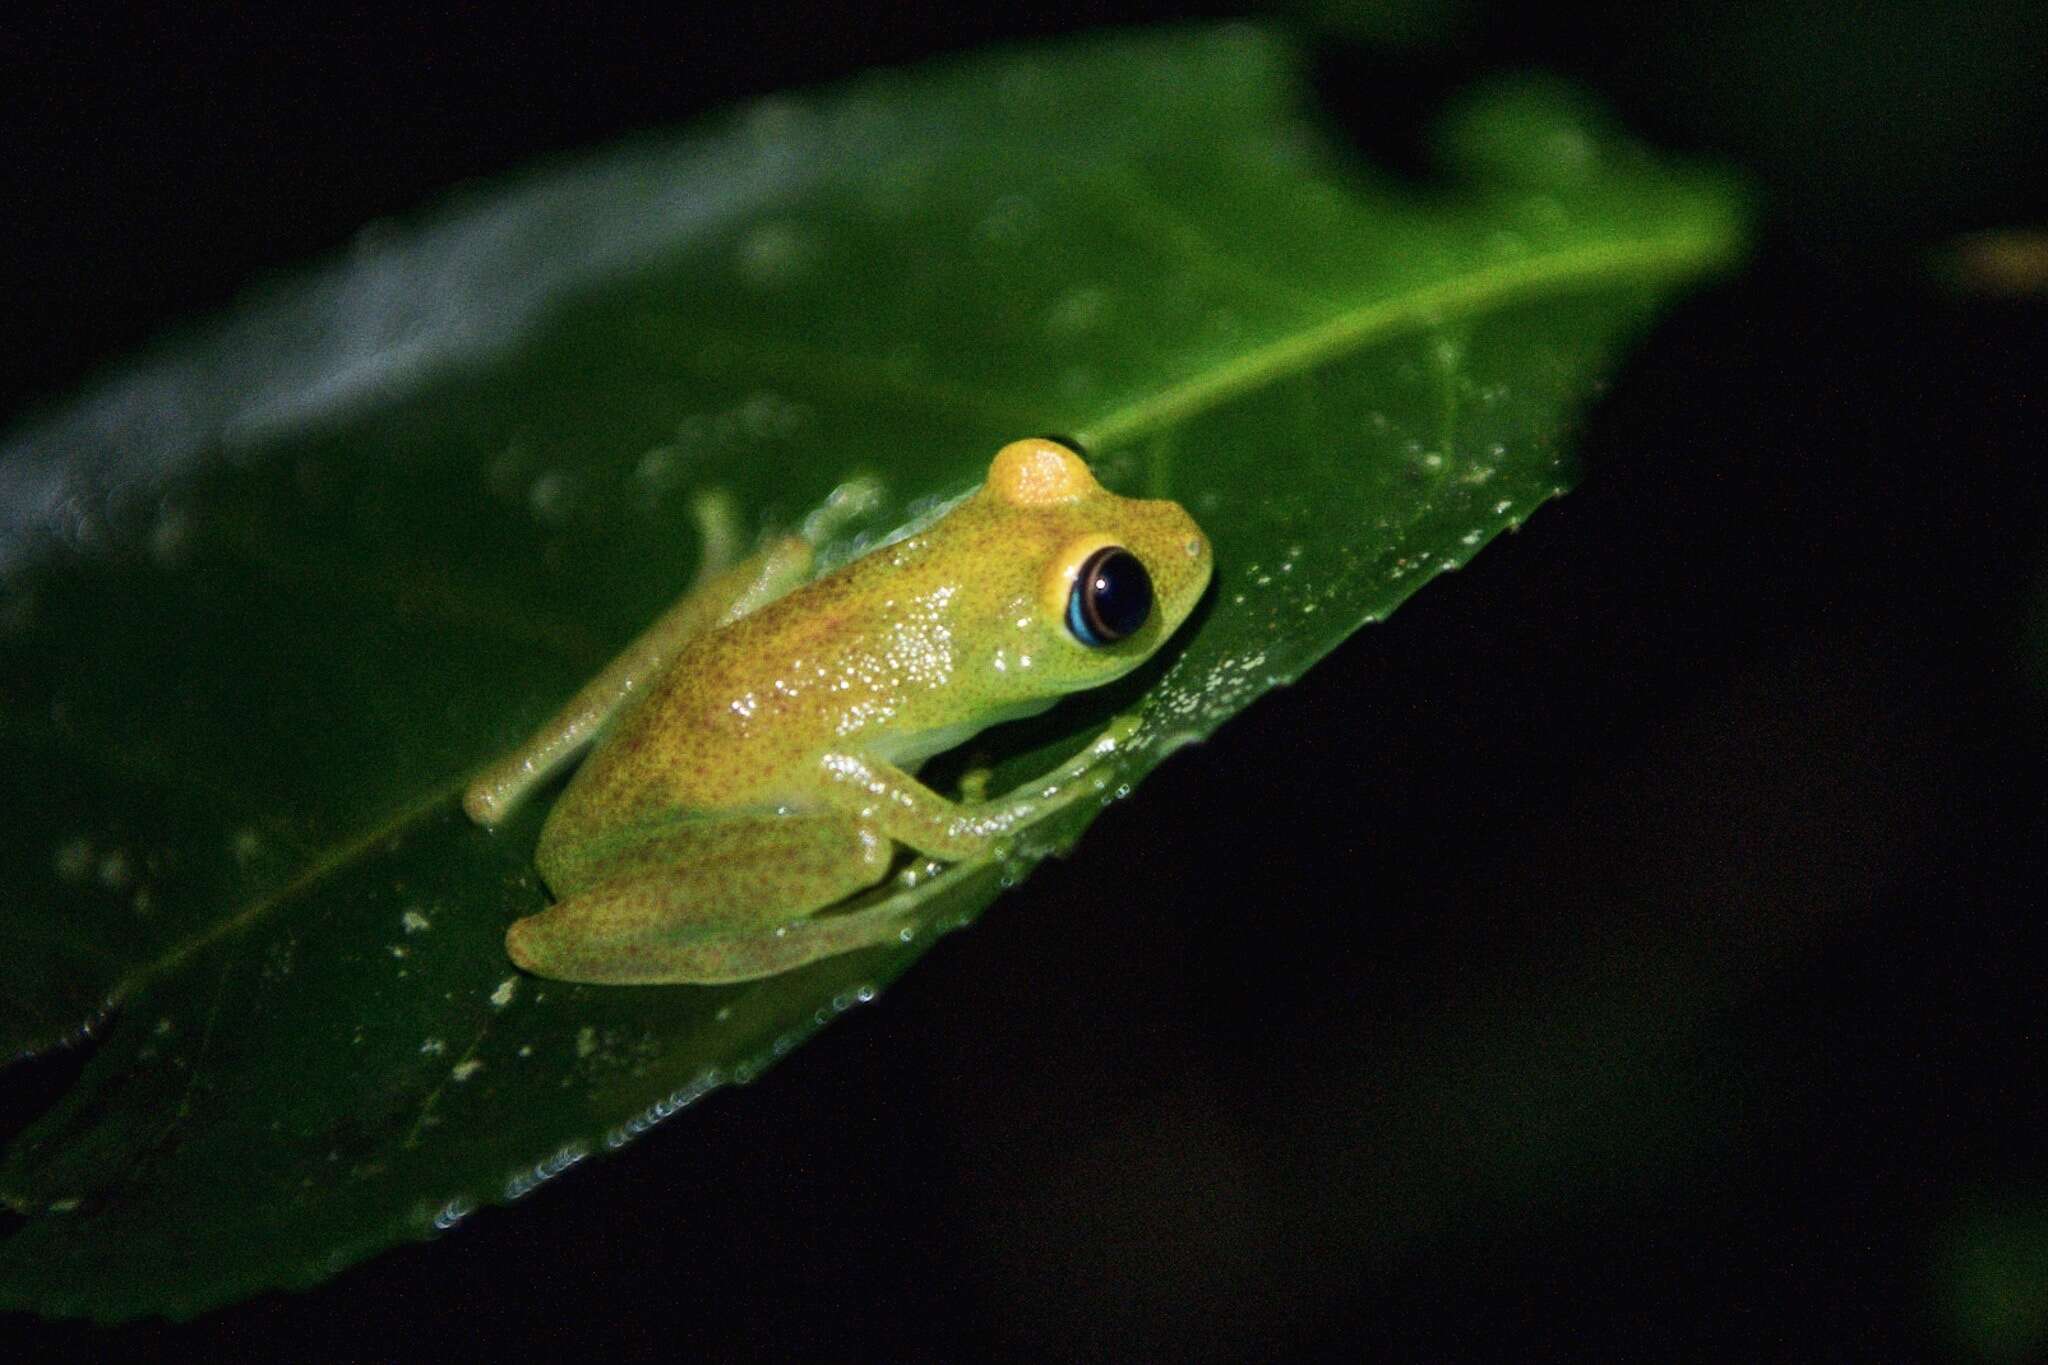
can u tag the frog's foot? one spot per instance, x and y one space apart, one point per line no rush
843 506
671 912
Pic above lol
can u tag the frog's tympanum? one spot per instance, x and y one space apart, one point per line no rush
756 749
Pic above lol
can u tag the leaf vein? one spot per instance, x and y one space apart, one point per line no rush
1460 296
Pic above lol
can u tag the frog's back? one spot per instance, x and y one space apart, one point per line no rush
741 717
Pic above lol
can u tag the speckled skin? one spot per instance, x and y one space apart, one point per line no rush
764 768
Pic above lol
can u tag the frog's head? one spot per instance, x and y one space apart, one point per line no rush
1096 582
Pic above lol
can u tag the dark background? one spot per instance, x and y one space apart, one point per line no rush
1634 944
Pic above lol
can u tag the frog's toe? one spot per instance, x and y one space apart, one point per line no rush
520 948
605 940
544 945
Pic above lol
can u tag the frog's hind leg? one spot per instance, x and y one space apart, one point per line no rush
672 902
747 957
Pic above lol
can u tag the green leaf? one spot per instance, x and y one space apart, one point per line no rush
275 588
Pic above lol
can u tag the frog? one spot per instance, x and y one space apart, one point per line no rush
751 760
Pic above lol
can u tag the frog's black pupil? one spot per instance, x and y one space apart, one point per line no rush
1112 596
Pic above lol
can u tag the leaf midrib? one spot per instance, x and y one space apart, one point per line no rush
1461 296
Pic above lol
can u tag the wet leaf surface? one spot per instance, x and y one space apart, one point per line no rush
274 589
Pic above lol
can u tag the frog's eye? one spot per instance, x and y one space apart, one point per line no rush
1111 597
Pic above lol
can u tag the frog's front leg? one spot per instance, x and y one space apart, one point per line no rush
926 821
694 899
906 810
722 594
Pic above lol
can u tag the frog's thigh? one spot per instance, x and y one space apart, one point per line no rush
645 913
